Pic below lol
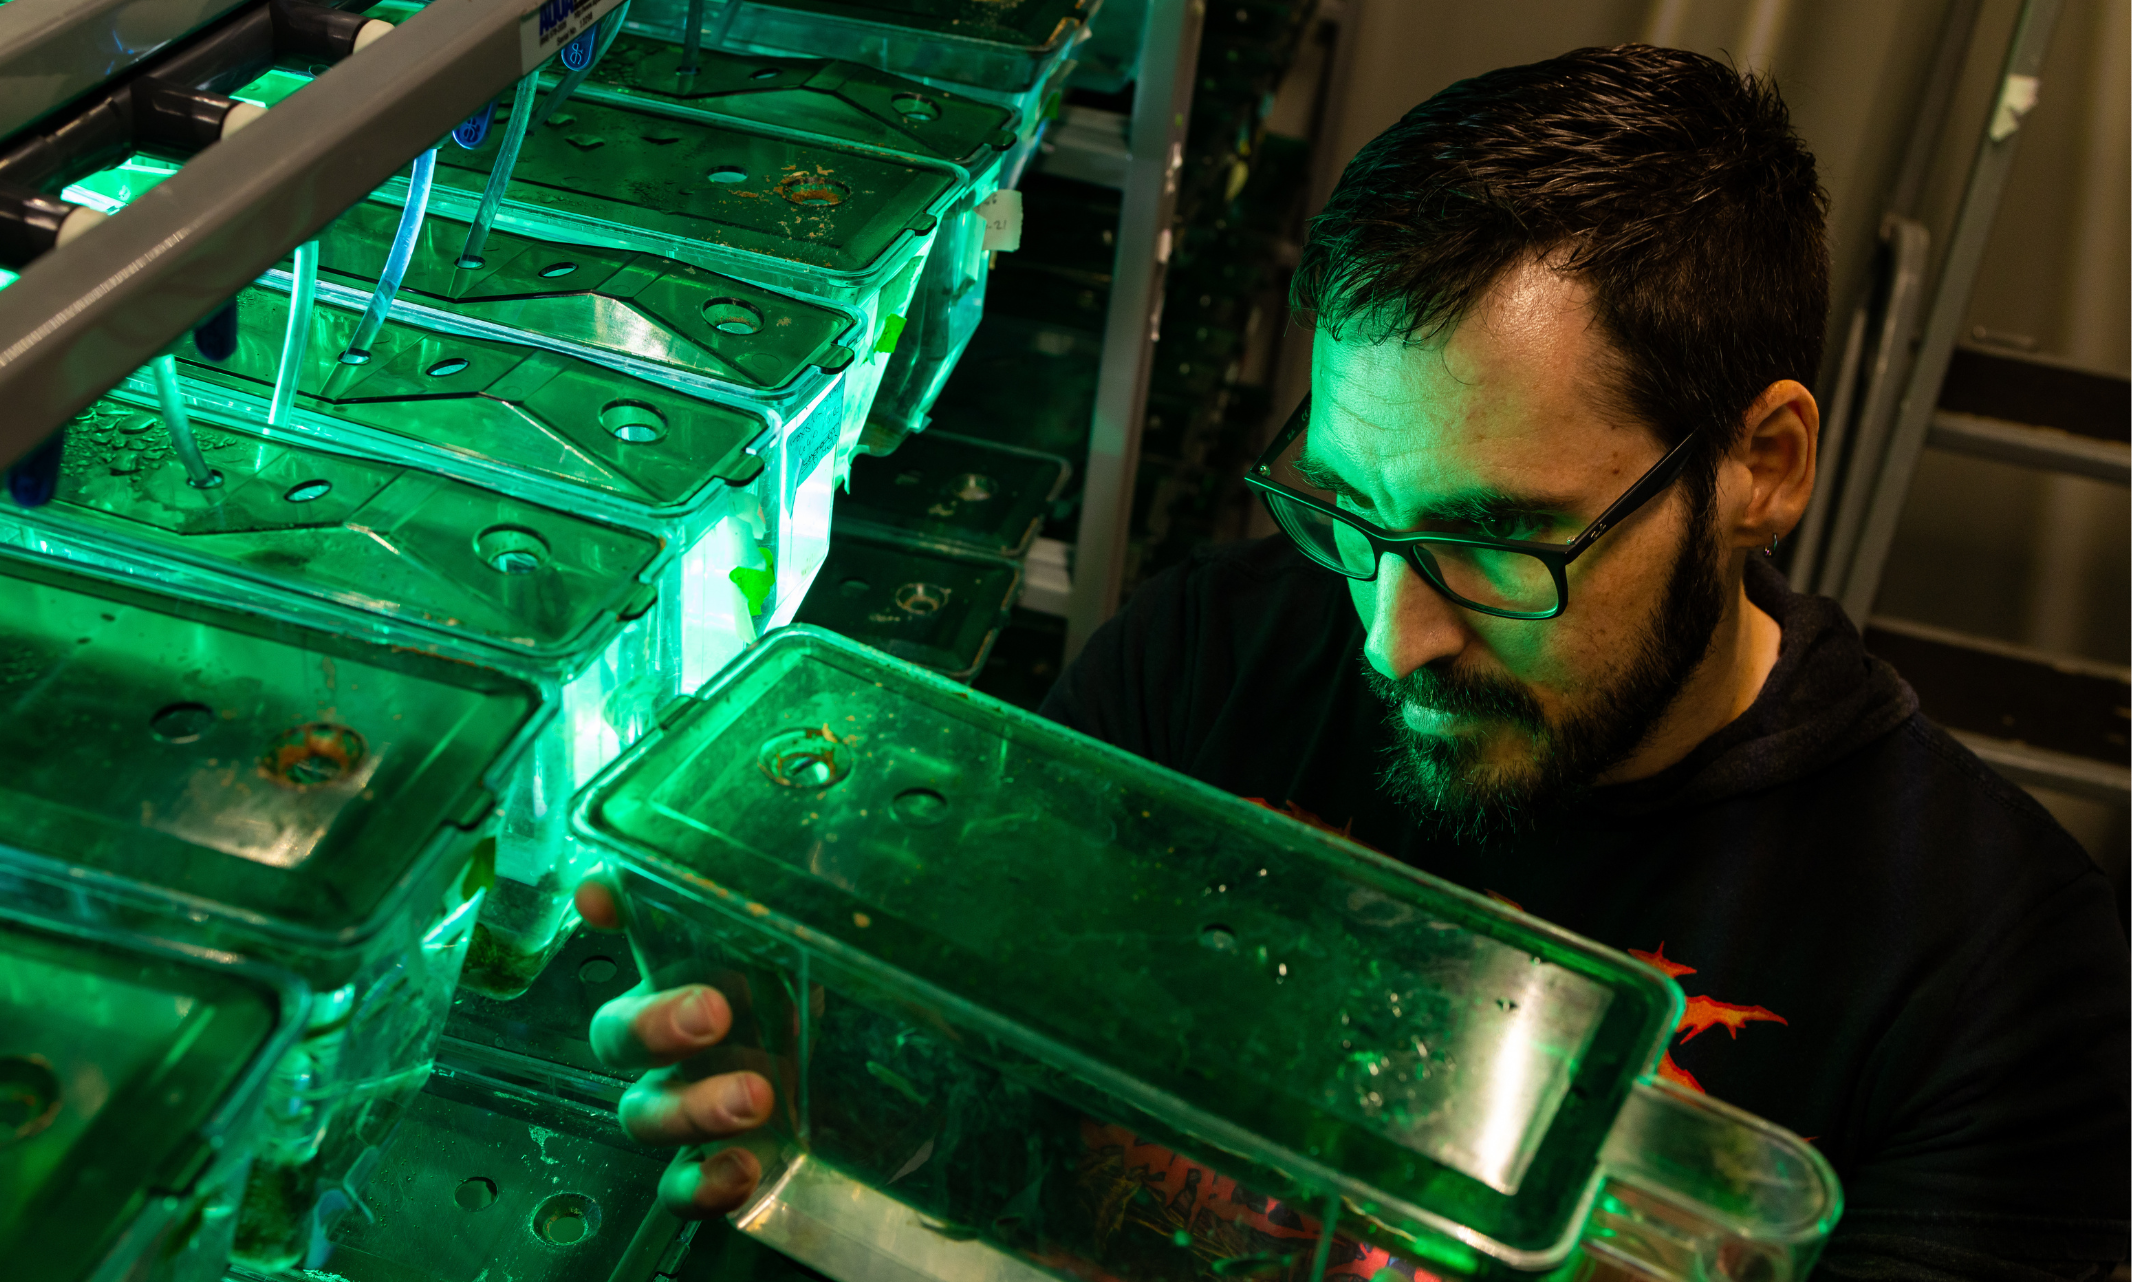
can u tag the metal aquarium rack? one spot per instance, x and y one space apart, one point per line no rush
407 402
423 422
508 356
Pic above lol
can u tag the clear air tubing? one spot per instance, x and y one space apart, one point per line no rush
179 426
297 338
610 27
691 37
514 135
403 250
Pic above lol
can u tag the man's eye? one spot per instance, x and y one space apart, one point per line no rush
1516 526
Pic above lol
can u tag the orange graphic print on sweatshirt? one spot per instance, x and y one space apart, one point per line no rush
1702 1015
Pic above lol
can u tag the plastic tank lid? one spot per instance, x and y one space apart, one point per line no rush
1355 1027
281 778
123 1064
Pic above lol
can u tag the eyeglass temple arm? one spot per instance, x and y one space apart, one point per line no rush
1662 474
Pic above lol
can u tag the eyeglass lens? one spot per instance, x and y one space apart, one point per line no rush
1492 578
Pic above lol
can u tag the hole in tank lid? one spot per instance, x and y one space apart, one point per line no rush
810 758
919 807
313 754
566 1219
973 487
922 598
632 421
181 722
733 316
511 549
813 191
915 107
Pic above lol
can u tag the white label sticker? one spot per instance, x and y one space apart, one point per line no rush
811 441
554 24
2017 97
1002 212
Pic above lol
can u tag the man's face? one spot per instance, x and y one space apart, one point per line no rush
1508 428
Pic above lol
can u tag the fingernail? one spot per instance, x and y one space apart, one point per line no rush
692 1017
725 1173
743 1099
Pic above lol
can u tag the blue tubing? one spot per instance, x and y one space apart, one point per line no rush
297 337
403 250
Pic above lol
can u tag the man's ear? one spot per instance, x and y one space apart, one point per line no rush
1775 456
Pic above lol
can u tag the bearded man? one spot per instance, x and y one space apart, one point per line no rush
1518 632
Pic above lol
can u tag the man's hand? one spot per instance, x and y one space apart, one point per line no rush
657 1031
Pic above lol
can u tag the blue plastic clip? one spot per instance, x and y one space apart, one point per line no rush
577 55
475 128
34 478
216 336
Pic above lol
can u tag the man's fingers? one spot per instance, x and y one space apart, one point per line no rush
659 1028
665 1108
596 903
695 1190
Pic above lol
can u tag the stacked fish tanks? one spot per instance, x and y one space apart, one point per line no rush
486 543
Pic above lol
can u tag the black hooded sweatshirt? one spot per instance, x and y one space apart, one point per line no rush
1887 947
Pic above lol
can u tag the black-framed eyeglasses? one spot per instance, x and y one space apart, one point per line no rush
1508 578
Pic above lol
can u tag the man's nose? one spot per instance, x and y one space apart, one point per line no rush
1410 623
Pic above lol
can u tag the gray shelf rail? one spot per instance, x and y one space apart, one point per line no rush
93 310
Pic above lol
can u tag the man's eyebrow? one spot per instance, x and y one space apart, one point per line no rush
1322 476
1476 503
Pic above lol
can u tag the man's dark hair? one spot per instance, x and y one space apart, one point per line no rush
1674 185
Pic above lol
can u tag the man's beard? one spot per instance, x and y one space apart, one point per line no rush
1444 780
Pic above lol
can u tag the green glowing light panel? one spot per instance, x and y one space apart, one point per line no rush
294 784
1016 927
430 554
122 1070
